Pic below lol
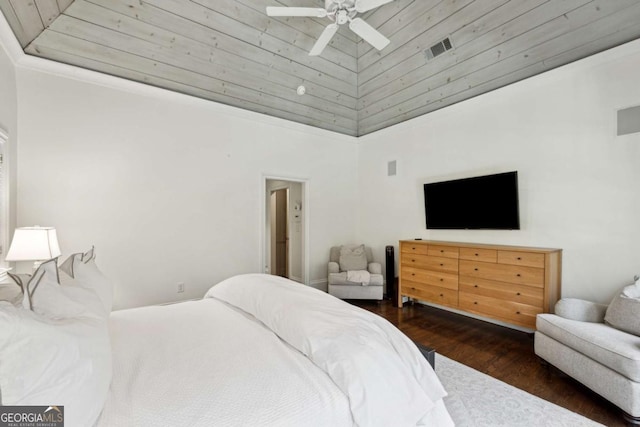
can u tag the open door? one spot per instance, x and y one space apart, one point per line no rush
285 229
280 232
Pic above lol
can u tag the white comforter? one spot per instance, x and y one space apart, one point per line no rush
383 374
263 351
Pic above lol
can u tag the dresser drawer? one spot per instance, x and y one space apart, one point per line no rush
447 265
434 294
530 276
508 311
414 248
429 277
486 255
528 259
522 294
443 251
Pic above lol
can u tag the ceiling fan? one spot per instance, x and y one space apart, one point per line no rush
340 12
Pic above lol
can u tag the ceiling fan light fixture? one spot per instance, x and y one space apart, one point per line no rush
340 12
342 16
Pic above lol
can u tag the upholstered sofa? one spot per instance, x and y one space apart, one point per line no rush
339 285
578 341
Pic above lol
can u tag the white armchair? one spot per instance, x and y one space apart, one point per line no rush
343 282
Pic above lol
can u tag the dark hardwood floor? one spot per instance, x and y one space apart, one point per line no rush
501 352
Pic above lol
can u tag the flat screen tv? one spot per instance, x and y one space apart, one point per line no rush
487 202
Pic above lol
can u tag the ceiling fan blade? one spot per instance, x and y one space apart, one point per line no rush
368 33
324 39
296 11
366 5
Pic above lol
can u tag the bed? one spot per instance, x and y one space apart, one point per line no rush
256 350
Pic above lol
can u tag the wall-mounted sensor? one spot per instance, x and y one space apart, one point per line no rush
301 90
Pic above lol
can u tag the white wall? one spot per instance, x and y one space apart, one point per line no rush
8 126
169 188
579 183
7 92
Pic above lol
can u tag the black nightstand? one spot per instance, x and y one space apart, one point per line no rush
428 353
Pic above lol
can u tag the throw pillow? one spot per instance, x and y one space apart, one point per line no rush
577 309
624 312
353 258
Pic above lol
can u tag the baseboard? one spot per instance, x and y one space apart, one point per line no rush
178 301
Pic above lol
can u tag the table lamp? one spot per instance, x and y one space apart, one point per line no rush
35 244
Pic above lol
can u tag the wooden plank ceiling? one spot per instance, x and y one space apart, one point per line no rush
229 51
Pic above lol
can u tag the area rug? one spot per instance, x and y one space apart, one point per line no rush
478 400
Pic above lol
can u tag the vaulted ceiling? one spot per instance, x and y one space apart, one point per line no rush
229 51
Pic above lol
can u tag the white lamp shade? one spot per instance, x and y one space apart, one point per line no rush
33 244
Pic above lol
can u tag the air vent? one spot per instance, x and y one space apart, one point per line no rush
391 168
438 49
629 121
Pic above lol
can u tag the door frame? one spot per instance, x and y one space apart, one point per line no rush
264 260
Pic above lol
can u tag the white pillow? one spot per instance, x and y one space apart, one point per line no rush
43 295
624 312
87 298
352 259
83 270
55 362
632 291
11 293
89 255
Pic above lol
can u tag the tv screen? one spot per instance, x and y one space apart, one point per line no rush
484 202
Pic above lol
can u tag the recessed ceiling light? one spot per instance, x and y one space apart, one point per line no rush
301 90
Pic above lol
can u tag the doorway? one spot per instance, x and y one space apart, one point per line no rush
285 229
280 232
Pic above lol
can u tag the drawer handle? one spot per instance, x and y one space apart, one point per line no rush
475 286
441 251
441 295
517 312
519 258
442 280
441 265
413 248
413 260
413 274
518 294
475 302
475 269
477 254
519 275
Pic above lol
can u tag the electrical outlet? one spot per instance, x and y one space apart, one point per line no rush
180 287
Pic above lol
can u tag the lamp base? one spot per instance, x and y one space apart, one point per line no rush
35 266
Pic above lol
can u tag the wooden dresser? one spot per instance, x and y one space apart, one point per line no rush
507 283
